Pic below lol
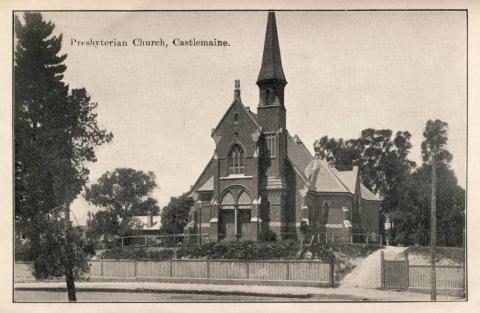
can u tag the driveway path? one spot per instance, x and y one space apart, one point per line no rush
367 273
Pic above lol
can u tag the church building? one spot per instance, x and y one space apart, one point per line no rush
261 179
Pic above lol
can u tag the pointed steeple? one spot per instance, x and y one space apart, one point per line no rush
272 61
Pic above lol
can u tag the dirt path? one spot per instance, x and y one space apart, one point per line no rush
367 273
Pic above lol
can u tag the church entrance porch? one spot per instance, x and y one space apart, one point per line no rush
233 224
235 216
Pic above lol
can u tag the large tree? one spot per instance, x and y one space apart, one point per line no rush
120 195
175 214
55 134
436 185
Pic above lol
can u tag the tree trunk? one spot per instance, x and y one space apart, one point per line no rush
433 230
69 278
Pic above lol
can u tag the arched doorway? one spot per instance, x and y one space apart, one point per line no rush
235 213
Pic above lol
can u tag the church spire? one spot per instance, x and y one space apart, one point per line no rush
272 62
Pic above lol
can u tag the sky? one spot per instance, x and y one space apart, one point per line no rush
346 71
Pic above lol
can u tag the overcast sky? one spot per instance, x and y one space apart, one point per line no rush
346 71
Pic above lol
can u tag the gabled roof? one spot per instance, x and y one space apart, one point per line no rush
247 111
298 155
323 178
349 178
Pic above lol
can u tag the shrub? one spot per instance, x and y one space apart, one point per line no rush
267 235
137 253
242 250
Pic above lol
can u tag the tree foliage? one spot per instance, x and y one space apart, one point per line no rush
413 221
175 214
120 195
56 132
405 189
382 161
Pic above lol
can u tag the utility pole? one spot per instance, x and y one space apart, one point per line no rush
433 230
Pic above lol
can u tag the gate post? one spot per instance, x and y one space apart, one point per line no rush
382 270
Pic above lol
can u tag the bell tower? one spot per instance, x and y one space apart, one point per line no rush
271 115
271 82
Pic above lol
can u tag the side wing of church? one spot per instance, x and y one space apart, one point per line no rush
260 178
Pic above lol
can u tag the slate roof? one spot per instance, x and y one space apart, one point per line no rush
298 155
320 176
349 178
207 186
367 194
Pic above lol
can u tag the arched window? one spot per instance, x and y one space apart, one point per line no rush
235 160
244 199
228 201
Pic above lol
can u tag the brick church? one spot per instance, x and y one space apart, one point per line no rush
262 179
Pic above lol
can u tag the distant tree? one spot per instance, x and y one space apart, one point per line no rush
102 223
175 214
56 132
120 195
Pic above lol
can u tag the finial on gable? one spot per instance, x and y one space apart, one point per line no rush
237 89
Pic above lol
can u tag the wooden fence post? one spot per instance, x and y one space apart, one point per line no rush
288 269
248 269
171 267
208 268
101 268
135 268
382 269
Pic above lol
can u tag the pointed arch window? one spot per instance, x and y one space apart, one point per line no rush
235 160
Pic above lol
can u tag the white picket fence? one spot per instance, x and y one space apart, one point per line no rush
317 271
256 270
